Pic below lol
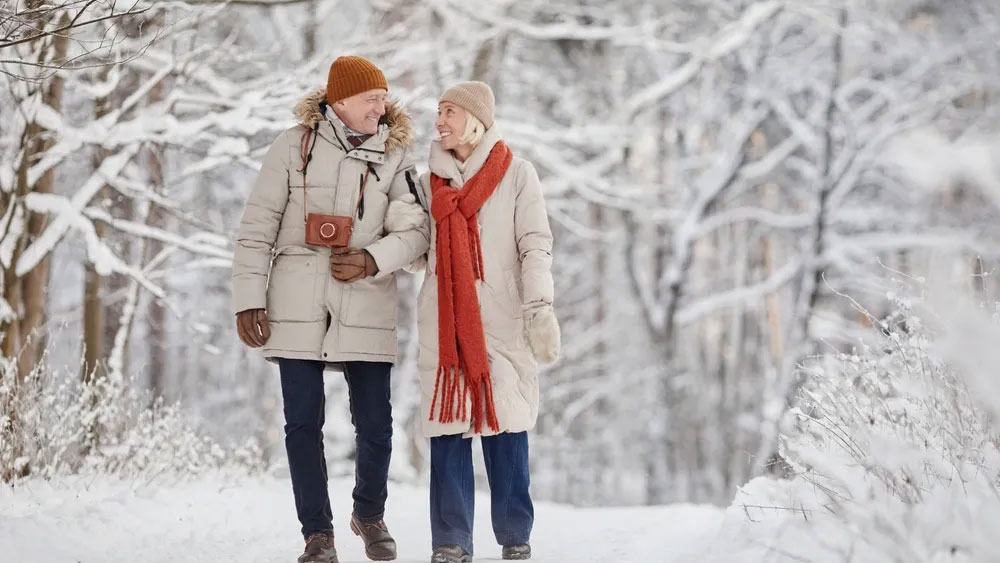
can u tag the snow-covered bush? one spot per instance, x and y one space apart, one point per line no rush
893 448
55 424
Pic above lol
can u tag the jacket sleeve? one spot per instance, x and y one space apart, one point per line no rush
534 239
258 228
423 199
396 250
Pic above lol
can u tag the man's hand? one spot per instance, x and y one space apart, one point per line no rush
351 264
252 326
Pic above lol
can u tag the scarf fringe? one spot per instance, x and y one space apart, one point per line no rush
455 392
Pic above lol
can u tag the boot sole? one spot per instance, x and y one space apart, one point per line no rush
357 532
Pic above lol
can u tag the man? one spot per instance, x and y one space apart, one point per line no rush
323 303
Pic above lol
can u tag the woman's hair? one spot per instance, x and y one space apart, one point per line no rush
474 130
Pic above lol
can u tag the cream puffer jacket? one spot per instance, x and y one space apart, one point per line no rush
312 315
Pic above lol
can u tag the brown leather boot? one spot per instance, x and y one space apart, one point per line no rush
379 545
319 549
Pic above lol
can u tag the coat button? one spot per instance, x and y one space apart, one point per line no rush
324 354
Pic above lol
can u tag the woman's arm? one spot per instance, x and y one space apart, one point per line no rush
534 246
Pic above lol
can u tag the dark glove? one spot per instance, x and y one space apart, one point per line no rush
351 264
253 328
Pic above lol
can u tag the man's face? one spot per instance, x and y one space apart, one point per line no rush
361 112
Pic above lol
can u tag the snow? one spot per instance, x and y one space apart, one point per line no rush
221 519
99 254
230 147
6 313
685 166
70 216
930 162
7 175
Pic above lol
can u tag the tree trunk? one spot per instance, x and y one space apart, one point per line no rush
93 305
24 338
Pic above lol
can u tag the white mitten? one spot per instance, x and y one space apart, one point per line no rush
404 214
542 328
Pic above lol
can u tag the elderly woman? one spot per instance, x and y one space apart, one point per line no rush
485 321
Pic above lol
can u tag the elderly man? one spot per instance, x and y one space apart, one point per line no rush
314 285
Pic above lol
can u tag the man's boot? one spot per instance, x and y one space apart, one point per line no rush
319 549
379 545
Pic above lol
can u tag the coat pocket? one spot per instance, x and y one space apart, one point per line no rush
291 287
513 293
500 316
370 303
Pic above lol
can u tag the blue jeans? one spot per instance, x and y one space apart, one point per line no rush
453 489
304 407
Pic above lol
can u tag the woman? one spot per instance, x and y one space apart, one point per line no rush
485 318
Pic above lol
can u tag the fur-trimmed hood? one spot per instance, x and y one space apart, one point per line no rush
308 111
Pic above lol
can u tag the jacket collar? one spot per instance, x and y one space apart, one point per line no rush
395 133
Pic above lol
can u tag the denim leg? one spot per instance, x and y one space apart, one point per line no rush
371 414
506 457
304 404
452 492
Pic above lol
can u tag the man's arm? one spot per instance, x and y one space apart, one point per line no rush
258 228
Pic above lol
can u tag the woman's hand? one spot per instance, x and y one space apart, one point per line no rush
542 329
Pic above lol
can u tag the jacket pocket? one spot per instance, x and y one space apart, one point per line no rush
370 303
513 293
500 317
291 287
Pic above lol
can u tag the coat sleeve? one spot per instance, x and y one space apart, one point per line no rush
396 250
424 200
534 239
258 228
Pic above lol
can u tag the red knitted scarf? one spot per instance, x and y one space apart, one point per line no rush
461 341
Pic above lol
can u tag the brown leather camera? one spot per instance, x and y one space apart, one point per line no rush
328 230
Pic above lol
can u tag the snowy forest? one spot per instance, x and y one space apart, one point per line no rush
775 244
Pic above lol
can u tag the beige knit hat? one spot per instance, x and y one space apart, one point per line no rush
474 97
352 75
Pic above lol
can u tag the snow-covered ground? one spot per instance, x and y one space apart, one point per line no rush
217 519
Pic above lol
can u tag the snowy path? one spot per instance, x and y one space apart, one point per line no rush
253 521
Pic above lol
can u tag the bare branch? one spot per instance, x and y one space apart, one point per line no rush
71 25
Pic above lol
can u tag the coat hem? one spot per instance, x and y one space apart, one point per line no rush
273 355
467 432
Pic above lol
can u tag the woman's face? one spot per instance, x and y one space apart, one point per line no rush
450 125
